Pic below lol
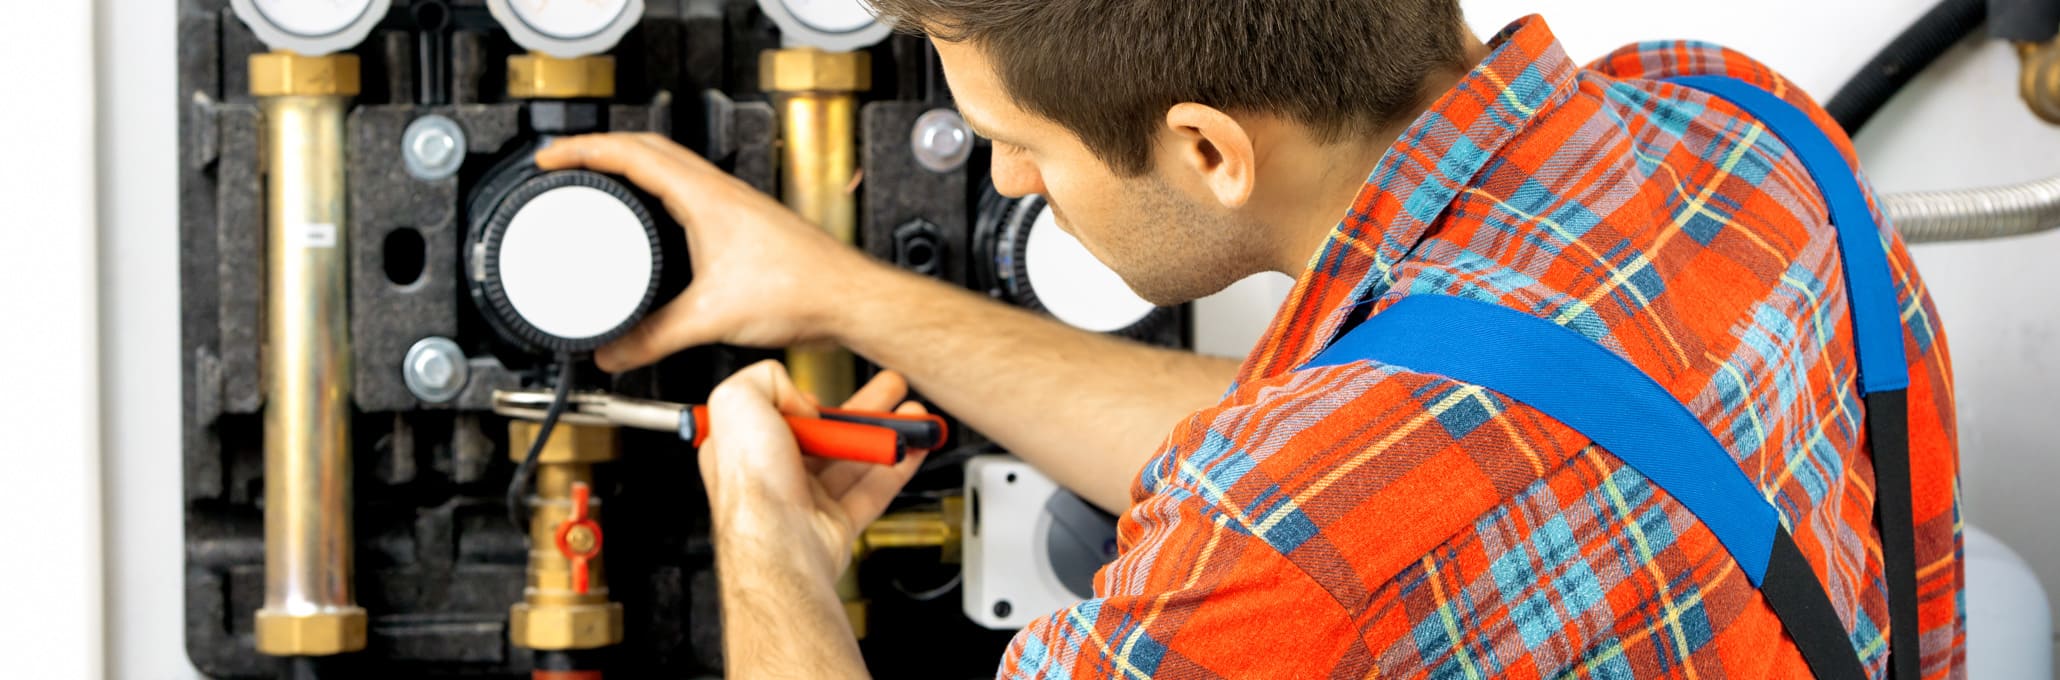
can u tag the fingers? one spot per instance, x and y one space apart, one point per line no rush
867 498
880 393
676 326
658 165
838 477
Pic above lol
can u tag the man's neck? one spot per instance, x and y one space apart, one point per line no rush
1337 173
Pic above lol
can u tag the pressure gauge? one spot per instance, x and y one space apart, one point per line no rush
1020 255
567 28
562 261
833 25
311 27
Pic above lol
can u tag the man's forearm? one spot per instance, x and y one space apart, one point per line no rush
1085 408
780 615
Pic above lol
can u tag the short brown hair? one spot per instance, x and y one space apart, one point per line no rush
1109 69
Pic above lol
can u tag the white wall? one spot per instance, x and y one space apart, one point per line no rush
50 404
1959 126
139 316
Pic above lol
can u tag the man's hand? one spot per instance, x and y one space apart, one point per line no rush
759 485
784 525
763 277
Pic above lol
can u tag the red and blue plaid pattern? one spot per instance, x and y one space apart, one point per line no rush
1367 520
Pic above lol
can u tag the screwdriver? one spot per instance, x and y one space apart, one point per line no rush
864 436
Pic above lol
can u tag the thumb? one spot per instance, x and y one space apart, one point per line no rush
672 328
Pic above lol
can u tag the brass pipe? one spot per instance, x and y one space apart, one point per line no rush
816 93
309 609
554 614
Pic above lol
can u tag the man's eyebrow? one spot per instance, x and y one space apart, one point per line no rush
978 129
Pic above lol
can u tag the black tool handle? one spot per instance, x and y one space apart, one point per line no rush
919 432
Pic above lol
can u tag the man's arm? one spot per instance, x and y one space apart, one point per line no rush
1085 408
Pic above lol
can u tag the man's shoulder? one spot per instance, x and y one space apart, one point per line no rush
1353 448
1641 65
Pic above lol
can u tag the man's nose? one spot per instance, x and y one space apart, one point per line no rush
1016 178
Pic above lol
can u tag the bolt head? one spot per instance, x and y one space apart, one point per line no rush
434 146
436 369
941 141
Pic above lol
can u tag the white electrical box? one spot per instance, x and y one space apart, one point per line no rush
1031 548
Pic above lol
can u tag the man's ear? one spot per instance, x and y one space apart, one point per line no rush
1217 148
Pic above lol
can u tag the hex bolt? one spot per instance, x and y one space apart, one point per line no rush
433 147
434 369
941 141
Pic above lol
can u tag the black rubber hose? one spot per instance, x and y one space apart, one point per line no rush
518 487
1905 57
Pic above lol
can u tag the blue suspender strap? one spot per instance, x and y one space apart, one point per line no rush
1613 403
1610 401
1877 338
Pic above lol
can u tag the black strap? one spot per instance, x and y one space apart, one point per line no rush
1888 433
1798 599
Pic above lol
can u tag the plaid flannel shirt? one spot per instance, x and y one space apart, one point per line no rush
1368 520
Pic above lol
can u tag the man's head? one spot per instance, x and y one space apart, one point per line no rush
1167 134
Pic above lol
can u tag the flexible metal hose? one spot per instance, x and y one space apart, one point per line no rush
1973 214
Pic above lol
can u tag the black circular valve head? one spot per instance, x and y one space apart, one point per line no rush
1022 256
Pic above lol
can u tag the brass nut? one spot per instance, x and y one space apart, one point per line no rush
806 69
575 627
569 443
541 76
278 74
318 634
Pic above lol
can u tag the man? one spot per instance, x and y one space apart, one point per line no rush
1361 519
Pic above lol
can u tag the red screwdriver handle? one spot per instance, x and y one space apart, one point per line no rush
861 442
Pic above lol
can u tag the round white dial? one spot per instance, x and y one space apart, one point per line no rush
310 27
1075 286
569 19
567 29
576 262
312 18
833 25
832 16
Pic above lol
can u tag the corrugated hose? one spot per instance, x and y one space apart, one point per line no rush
1975 214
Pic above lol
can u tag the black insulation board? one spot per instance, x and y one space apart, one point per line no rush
437 563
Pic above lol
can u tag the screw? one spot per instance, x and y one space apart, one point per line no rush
580 539
434 369
433 147
1002 609
941 141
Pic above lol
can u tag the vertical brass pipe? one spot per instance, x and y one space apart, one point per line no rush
309 609
816 93
554 614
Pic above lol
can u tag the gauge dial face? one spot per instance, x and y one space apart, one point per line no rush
576 262
1075 286
832 16
312 18
569 19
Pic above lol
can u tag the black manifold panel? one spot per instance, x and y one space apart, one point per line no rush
437 562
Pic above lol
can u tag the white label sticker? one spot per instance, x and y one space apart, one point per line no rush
312 235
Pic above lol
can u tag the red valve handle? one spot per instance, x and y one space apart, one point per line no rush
579 558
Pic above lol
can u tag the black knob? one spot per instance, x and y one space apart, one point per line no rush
1018 247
